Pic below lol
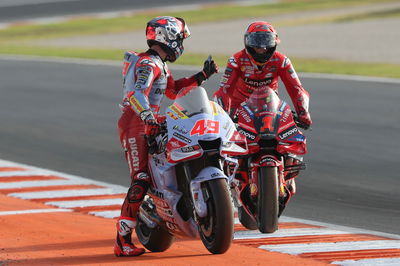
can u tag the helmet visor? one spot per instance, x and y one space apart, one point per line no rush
186 32
260 39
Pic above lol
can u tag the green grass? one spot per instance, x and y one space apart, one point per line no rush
88 53
138 21
301 64
370 15
16 40
342 18
347 68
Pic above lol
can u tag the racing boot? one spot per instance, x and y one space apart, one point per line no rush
123 244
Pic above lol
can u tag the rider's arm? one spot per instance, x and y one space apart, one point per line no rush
227 84
145 73
299 96
174 86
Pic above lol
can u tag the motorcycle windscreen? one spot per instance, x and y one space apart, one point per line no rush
186 126
264 108
193 102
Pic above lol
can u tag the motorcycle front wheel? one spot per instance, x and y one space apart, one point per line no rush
246 220
216 229
154 239
268 199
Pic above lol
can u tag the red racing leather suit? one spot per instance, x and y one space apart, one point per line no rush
146 78
242 76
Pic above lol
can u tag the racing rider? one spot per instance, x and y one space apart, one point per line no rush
257 67
146 78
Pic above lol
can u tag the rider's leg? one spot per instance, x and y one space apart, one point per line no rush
131 130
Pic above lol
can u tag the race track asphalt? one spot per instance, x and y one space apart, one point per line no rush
62 116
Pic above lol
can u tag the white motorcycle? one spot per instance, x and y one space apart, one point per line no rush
189 195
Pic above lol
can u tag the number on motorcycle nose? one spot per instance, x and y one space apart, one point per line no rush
267 124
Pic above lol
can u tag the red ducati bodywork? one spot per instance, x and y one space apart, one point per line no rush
275 145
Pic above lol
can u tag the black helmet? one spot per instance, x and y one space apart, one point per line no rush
261 34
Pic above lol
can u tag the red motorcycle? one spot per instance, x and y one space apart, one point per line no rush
264 182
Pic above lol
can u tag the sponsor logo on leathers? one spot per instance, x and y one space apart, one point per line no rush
258 83
134 154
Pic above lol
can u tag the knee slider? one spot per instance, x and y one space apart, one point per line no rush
137 191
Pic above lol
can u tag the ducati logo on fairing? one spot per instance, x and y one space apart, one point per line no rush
286 115
157 193
244 115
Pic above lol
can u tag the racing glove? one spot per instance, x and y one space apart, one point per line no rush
305 119
152 127
302 111
209 68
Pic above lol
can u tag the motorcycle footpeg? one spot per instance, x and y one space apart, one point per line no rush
147 215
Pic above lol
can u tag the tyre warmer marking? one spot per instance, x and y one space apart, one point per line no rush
328 243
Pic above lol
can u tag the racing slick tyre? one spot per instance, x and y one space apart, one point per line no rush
216 229
154 239
246 220
268 199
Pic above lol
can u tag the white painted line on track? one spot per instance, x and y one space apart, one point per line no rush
44 183
66 193
106 214
338 227
255 234
77 180
33 211
296 249
65 205
369 262
10 174
85 203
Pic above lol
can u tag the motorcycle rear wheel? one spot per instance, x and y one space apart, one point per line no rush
154 239
216 230
268 199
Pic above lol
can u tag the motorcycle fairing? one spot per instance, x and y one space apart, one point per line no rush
266 117
166 202
182 145
206 174
166 196
191 121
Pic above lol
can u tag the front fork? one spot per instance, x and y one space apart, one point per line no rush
247 184
199 195
266 161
